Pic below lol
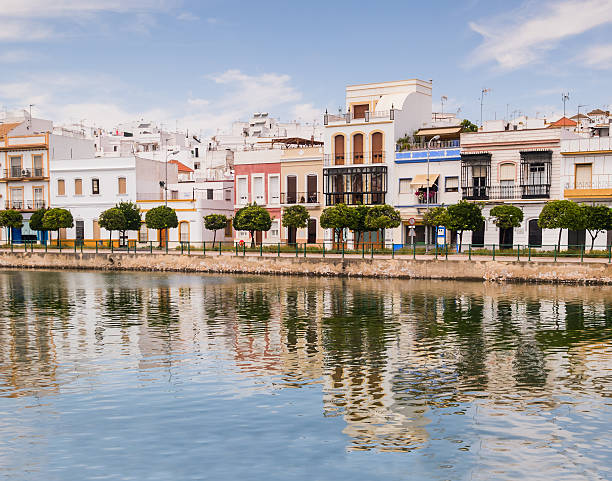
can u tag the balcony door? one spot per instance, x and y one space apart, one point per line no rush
339 150
258 190
274 189
38 166
479 181
17 198
311 188
312 231
38 198
358 149
15 167
291 189
377 148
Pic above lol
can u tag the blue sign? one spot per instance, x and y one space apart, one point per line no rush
441 235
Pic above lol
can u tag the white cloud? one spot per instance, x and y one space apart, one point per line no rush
13 56
598 57
536 28
188 17
22 21
306 113
104 100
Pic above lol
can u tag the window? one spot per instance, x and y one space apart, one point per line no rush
243 193
583 176
196 166
228 228
507 172
451 184
258 190
78 187
228 195
274 189
174 194
122 185
15 166
197 152
274 229
61 187
143 233
339 150
209 194
114 148
404 186
184 232
96 230
95 186
358 149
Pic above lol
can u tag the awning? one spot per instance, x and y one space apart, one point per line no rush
420 180
439 131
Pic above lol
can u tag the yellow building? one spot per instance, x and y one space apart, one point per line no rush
302 184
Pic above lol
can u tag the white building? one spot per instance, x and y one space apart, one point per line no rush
89 186
586 177
519 167
360 144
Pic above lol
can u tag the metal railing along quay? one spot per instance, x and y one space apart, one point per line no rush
372 250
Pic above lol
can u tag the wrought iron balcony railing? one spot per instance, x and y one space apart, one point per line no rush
299 197
501 192
19 173
24 204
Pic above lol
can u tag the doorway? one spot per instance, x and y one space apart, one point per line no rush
576 238
312 231
291 235
535 234
258 237
478 237
506 238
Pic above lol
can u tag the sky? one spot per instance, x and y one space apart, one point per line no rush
203 64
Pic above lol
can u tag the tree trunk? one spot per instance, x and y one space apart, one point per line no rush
252 239
460 234
160 238
559 241
593 239
358 239
214 238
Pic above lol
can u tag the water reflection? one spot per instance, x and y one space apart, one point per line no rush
450 371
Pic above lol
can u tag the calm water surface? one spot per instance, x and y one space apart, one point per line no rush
178 377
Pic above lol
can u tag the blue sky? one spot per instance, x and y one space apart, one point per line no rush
202 64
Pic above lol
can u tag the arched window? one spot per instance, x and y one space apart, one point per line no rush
339 150
184 231
377 148
358 149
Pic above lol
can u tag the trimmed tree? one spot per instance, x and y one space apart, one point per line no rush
56 219
505 217
11 219
161 218
358 226
596 218
215 222
381 217
131 212
560 214
295 217
436 216
36 220
464 216
338 218
252 218
112 219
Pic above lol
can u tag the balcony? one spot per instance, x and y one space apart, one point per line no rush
506 192
440 144
588 190
290 198
355 198
356 158
421 196
367 116
19 173
25 205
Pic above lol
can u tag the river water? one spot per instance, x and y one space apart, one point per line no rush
131 376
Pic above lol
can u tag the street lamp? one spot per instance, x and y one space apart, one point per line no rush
435 137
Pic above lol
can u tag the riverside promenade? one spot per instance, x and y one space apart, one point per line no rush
578 269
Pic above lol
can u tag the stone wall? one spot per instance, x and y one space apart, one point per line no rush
477 270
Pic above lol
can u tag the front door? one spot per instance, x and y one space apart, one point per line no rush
80 230
535 234
506 238
312 231
478 237
161 237
576 238
258 237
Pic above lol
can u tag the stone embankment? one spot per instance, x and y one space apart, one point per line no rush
460 269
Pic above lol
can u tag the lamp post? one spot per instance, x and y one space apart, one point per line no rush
435 137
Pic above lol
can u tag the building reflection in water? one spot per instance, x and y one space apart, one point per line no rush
386 355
